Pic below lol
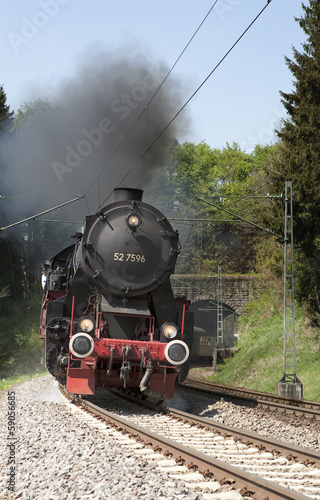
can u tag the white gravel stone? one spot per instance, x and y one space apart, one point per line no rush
276 426
62 452
228 495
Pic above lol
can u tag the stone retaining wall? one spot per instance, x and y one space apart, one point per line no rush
237 290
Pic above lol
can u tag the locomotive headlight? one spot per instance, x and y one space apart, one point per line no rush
81 345
169 330
86 324
134 220
176 352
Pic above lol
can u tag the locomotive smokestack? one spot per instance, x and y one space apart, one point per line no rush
131 194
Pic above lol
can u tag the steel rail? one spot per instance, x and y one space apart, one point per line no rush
309 408
291 451
259 487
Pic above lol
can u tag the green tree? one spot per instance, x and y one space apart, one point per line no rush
228 178
298 155
23 250
30 112
39 241
6 116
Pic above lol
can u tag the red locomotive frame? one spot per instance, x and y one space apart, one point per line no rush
84 376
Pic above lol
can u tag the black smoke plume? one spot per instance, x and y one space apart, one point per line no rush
89 138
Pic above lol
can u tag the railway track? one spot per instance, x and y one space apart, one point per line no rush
309 409
256 466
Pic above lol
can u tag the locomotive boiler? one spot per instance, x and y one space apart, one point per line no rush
109 317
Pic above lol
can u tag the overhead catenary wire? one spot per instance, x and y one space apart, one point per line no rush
60 221
44 195
238 216
177 220
194 93
146 108
181 219
168 124
33 217
243 197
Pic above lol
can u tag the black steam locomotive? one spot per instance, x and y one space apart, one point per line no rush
109 318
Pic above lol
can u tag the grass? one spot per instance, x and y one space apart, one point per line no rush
258 364
5 383
20 345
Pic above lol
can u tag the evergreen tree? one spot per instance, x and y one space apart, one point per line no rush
298 155
6 116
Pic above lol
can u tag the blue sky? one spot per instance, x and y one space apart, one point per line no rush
42 42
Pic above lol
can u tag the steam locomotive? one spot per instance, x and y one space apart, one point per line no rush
109 317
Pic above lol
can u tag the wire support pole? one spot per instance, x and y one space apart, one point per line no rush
289 342
33 217
219 308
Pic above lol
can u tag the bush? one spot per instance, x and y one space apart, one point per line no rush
20 345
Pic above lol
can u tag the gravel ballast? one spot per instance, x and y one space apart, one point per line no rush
278 426
61 452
